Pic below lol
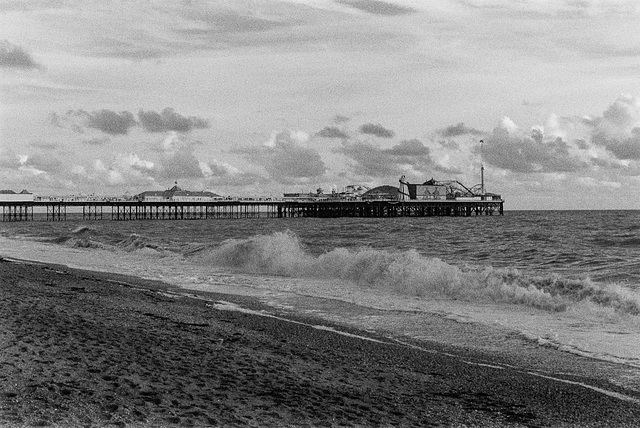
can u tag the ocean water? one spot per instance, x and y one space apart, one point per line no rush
568 279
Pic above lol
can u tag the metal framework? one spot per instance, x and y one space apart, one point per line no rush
56 211
17 212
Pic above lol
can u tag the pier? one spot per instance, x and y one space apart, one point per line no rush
235 209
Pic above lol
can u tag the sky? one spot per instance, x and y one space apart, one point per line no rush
257 98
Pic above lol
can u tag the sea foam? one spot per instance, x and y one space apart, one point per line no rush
411 273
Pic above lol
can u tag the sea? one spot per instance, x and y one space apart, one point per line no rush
565 279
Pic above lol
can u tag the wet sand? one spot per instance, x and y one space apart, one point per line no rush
84 349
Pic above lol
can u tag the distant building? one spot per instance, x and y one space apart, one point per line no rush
176 194
351 192
318 196
11 196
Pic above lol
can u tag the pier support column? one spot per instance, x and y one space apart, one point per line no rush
56 212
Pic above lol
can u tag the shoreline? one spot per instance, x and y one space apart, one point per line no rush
581 332
83 348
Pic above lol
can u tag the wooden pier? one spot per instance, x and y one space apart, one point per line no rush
134 210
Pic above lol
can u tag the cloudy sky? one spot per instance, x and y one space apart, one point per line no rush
254 98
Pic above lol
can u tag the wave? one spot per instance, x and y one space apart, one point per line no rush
628 240
88 238
408 272
631 242
83 230
136 242
80 237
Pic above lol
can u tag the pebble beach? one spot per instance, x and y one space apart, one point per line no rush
89 349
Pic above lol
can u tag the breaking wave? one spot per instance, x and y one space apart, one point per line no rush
83 230
80 237
88 237
136 242
410 273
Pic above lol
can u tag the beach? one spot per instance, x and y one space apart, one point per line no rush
81 348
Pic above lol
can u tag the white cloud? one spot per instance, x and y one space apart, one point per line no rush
134 161
508 124
32 170
115 177
218 168
171 141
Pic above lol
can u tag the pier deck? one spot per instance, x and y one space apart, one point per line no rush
134 210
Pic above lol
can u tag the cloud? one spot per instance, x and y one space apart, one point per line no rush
216 26
42 170
21 171
340 119
285 159
576 9
180 164
509 150
107 121
332 132
623 113
449 144
57 120
222 174
621 148
459 129
169 120
177 158
184 28
106 175
408 148
9 160
96 141
120 123
121 170
179 161
372 161
602 147
377 7
39 162
133 161
217 168
618 129
111 122
230 21
13 56
600 50
43 145
377 130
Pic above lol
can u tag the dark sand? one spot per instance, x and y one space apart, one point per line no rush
80 348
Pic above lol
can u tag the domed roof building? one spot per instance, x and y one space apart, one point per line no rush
385 192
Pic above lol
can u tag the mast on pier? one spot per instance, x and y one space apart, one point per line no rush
481 168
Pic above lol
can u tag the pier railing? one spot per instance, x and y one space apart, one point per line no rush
134 210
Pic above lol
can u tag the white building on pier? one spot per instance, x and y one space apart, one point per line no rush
176 194
11 196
